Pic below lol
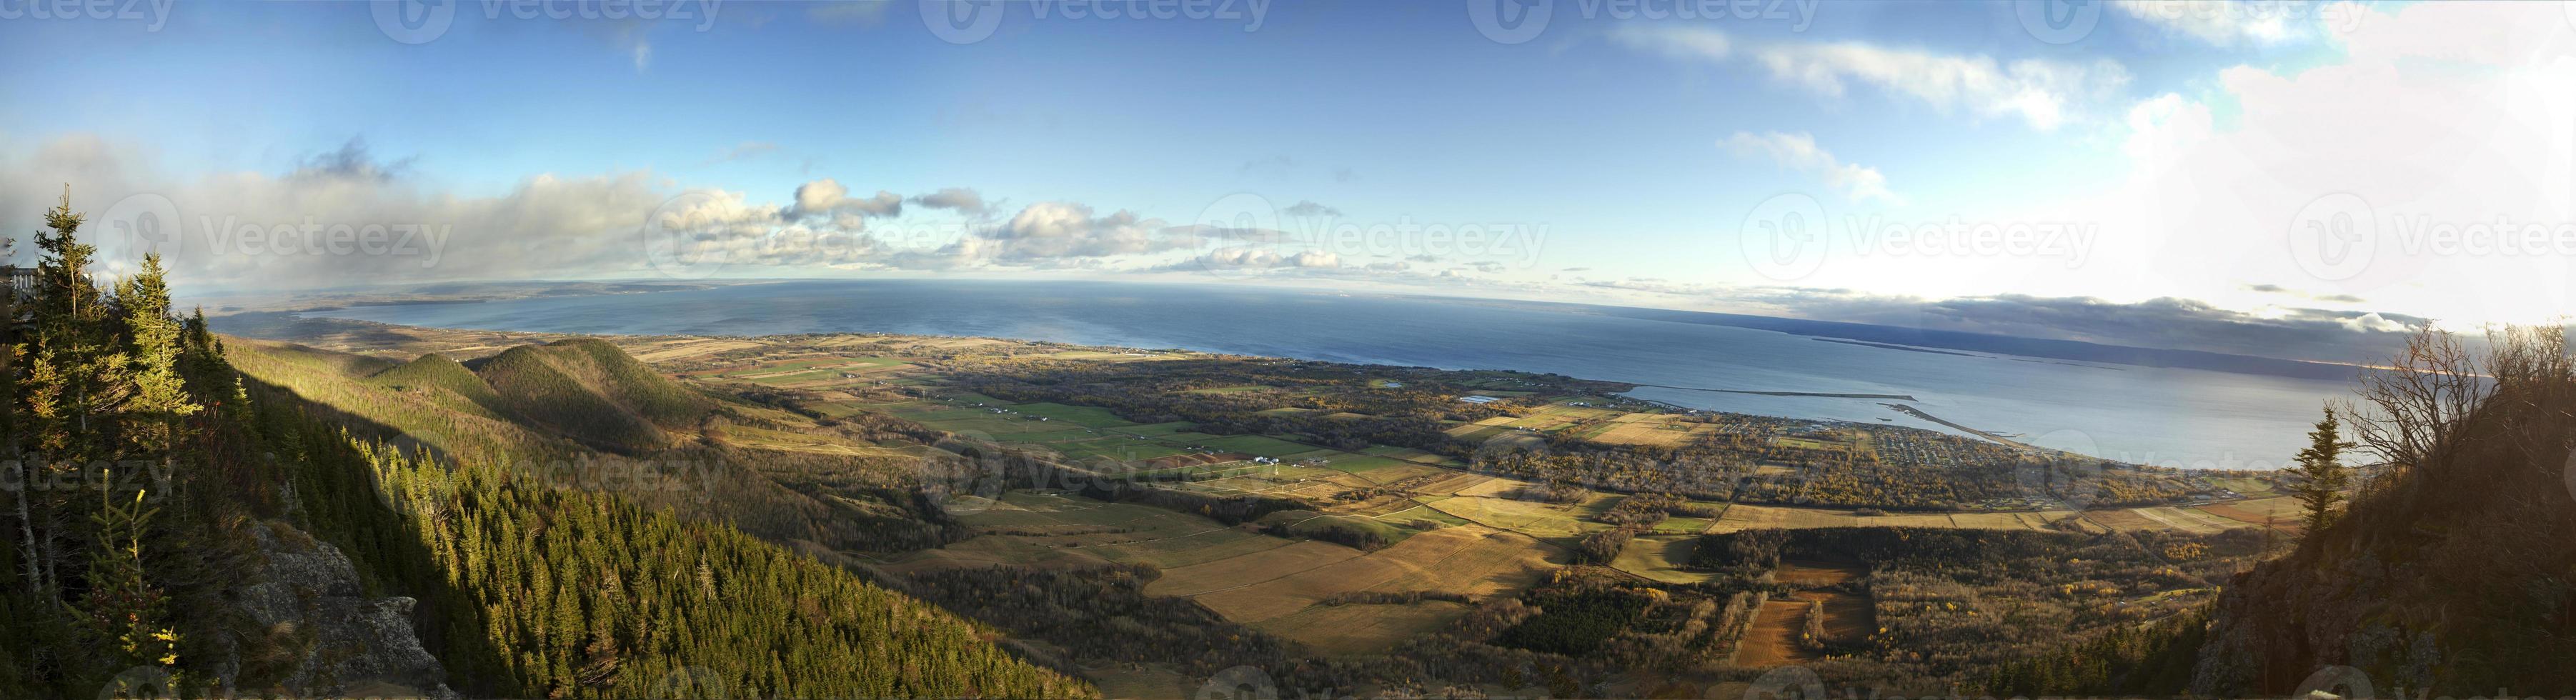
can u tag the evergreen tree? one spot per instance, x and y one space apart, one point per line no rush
159 396
124 610
2320 472
74 373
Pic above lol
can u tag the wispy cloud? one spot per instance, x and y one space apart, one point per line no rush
2043 93
1798 152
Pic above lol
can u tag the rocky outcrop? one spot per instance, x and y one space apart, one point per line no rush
2302 624
309 630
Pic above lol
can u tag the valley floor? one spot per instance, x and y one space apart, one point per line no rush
1438 534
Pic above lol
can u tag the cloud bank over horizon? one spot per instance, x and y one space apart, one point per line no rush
2345 172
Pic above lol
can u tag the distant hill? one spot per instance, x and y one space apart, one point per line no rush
1986 342
584 390
582 401
428 405
441 378
592 392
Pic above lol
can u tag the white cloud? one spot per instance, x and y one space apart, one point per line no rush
2440 117
2043 93
1798 152
2371 322
827 196
1052 230
963 200
2222 23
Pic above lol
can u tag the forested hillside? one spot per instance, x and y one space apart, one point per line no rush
717 460
2452 574
172 525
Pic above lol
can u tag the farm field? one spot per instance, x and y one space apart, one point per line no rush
1772 639
1070 529
1362 628
1650 432
1775 635
1282 590
1659 558
2278 512
1745 516
1541 520
2164 518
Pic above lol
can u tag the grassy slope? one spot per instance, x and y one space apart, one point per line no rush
443 380
591 391
425 411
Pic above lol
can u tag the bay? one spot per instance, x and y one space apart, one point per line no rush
2171 417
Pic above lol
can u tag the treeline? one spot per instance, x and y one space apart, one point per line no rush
2150 661
539 591
2011 610
1601 547
126 465
1101 617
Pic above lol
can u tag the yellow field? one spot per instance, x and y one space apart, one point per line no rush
2281 512
1747 517
1659 433
1660 558
1744 516
1279 590
659 351
1526 517
1493 486
1249 569
2164 518
1454 484
1361 629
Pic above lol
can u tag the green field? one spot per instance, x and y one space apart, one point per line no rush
1356 463
1158 428
1255 445
1088 416
820 367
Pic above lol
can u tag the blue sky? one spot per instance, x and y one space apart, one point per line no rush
1643 157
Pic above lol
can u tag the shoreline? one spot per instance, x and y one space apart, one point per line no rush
1918 413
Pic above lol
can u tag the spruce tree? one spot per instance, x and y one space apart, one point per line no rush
75 375
159 396
2320 472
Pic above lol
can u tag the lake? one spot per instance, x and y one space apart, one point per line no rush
2171 417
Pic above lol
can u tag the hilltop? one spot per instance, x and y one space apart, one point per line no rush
590 391
2453 575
